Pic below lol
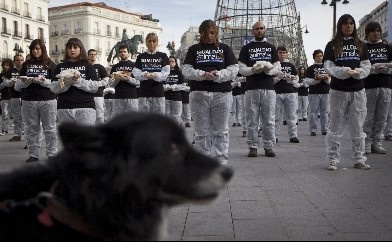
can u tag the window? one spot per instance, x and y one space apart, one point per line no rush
26 7
56 48
40 33
3 24
108 30
15 26
96 28
97 44
27 29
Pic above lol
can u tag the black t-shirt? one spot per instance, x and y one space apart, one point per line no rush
259 51
74 97
13 73
302 91
175 77
101 73
210 58
349 58
283 86
185 97
36 92
379 53
151 63
6 91
124 90
311 72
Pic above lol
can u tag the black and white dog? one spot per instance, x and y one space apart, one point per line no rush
110 182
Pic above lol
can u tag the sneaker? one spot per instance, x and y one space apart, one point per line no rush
269 153
25 147
304 119
362 166
276 140
388 137
333 166
3 133
252 152
285 122
187 125
294 140
234 125
299 119
239 125
32 159
15 139
260 133
313 134
324 133
243 133
378 150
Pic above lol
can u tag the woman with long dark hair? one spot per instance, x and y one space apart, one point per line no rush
210 66
346 61
303 91
75 91
39 103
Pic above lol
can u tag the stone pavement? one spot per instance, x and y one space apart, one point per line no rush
290 197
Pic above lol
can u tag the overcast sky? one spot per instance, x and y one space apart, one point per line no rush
176 16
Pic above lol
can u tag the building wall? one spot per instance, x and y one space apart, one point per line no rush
380 15
22 21
98 26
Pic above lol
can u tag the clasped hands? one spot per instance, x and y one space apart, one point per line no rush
262 66
40 79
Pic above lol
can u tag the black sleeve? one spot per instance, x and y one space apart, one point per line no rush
113 69
8 74
190 56
244 55
230 58
165 60
103 72
328 53
23 71
138 63
365 54
275 56
294 70
180 77
91 74
52 68
309 72
389 48
55 73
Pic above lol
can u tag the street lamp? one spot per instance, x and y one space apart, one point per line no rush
306 29
333 4
18 49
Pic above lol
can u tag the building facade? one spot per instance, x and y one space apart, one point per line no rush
98 26
22 21
380 15
188 39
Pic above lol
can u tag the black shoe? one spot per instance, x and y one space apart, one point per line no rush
243 133
234 125
313 134
259 133
252 152
296 123
239 125
3 133
188 125
304 119
31 159
285 122
25 147
300 120
269 153
294 140
15 139
277 141
324 133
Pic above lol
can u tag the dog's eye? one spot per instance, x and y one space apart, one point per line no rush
174 150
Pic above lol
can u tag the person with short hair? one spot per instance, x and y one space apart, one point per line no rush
378 89
259 63
319 86
346 61
286 84
210 66
39 104
152 69
75 93
5 91
104 78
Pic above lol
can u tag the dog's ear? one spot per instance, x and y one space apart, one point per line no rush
81 138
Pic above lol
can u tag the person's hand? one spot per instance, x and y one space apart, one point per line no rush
26 80
208 76
352 72
61 83
268 66
280 75
257 69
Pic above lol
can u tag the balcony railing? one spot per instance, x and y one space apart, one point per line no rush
29 36
79 31
55 33
41 18
65 32
108 33
3 6
17 34
27 14
15 10
6 31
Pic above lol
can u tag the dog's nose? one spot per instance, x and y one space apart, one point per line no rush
227 173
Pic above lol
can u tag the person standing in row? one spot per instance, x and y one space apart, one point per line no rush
75 93
378 89
303 92
125 97
260 96
174 82
236 108
151 69
347 62
16 103
186 109
104 78
39 104
6 64
210 66
319 85
286 83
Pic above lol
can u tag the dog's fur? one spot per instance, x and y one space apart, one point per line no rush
120 177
